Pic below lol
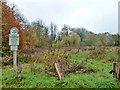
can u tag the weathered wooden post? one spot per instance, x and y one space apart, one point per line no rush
19 70
116 70
60 74
14 42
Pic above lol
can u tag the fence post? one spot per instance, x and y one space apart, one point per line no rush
116 70
19 70
60 74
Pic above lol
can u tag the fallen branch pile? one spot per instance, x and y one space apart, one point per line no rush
75 67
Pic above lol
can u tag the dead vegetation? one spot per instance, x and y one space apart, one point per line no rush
48 56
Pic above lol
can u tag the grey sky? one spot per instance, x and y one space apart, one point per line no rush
94 15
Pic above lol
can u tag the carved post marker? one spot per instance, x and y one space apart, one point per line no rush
14 42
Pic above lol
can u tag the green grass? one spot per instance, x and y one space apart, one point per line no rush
36 78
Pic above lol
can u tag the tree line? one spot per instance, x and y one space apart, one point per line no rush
37 34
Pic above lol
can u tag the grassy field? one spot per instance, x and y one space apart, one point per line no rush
94 74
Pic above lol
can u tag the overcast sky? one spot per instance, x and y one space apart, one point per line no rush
95 15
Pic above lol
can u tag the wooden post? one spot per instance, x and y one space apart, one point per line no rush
15 61
19 70
116 70
61 77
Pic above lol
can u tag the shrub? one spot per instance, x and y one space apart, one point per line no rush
31 55
56 56
99 53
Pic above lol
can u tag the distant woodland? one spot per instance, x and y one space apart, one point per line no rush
37 34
